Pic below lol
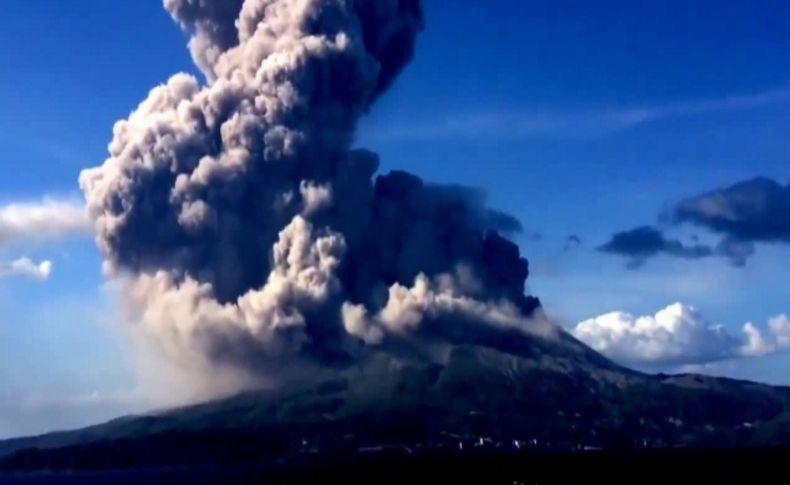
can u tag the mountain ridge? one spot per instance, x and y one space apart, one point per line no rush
548 394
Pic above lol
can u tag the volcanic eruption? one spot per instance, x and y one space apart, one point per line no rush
248 230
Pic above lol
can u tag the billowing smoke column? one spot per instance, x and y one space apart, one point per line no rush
248 230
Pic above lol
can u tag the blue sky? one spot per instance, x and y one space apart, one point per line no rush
577 117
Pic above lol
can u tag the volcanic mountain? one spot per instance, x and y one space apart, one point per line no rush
248 230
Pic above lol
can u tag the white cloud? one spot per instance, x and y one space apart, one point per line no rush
26 268
776 339
678 335
45 219
568 124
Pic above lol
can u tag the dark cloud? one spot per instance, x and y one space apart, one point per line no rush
571 242
736 251
756 210
472 202
645 242
249 231
752 211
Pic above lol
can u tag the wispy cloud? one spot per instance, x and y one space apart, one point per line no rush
585 123
45 219
31 414
130 397
24 267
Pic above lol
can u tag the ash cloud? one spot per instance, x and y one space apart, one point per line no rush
247 230
213 27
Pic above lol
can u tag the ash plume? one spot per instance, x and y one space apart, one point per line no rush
247 229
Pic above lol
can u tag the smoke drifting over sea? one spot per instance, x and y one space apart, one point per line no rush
249 233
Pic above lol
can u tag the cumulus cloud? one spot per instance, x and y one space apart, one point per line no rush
45 219
678 335
249 233
24 267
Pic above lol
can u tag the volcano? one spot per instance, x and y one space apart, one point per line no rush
247 230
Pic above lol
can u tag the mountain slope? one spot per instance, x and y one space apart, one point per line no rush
547 395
